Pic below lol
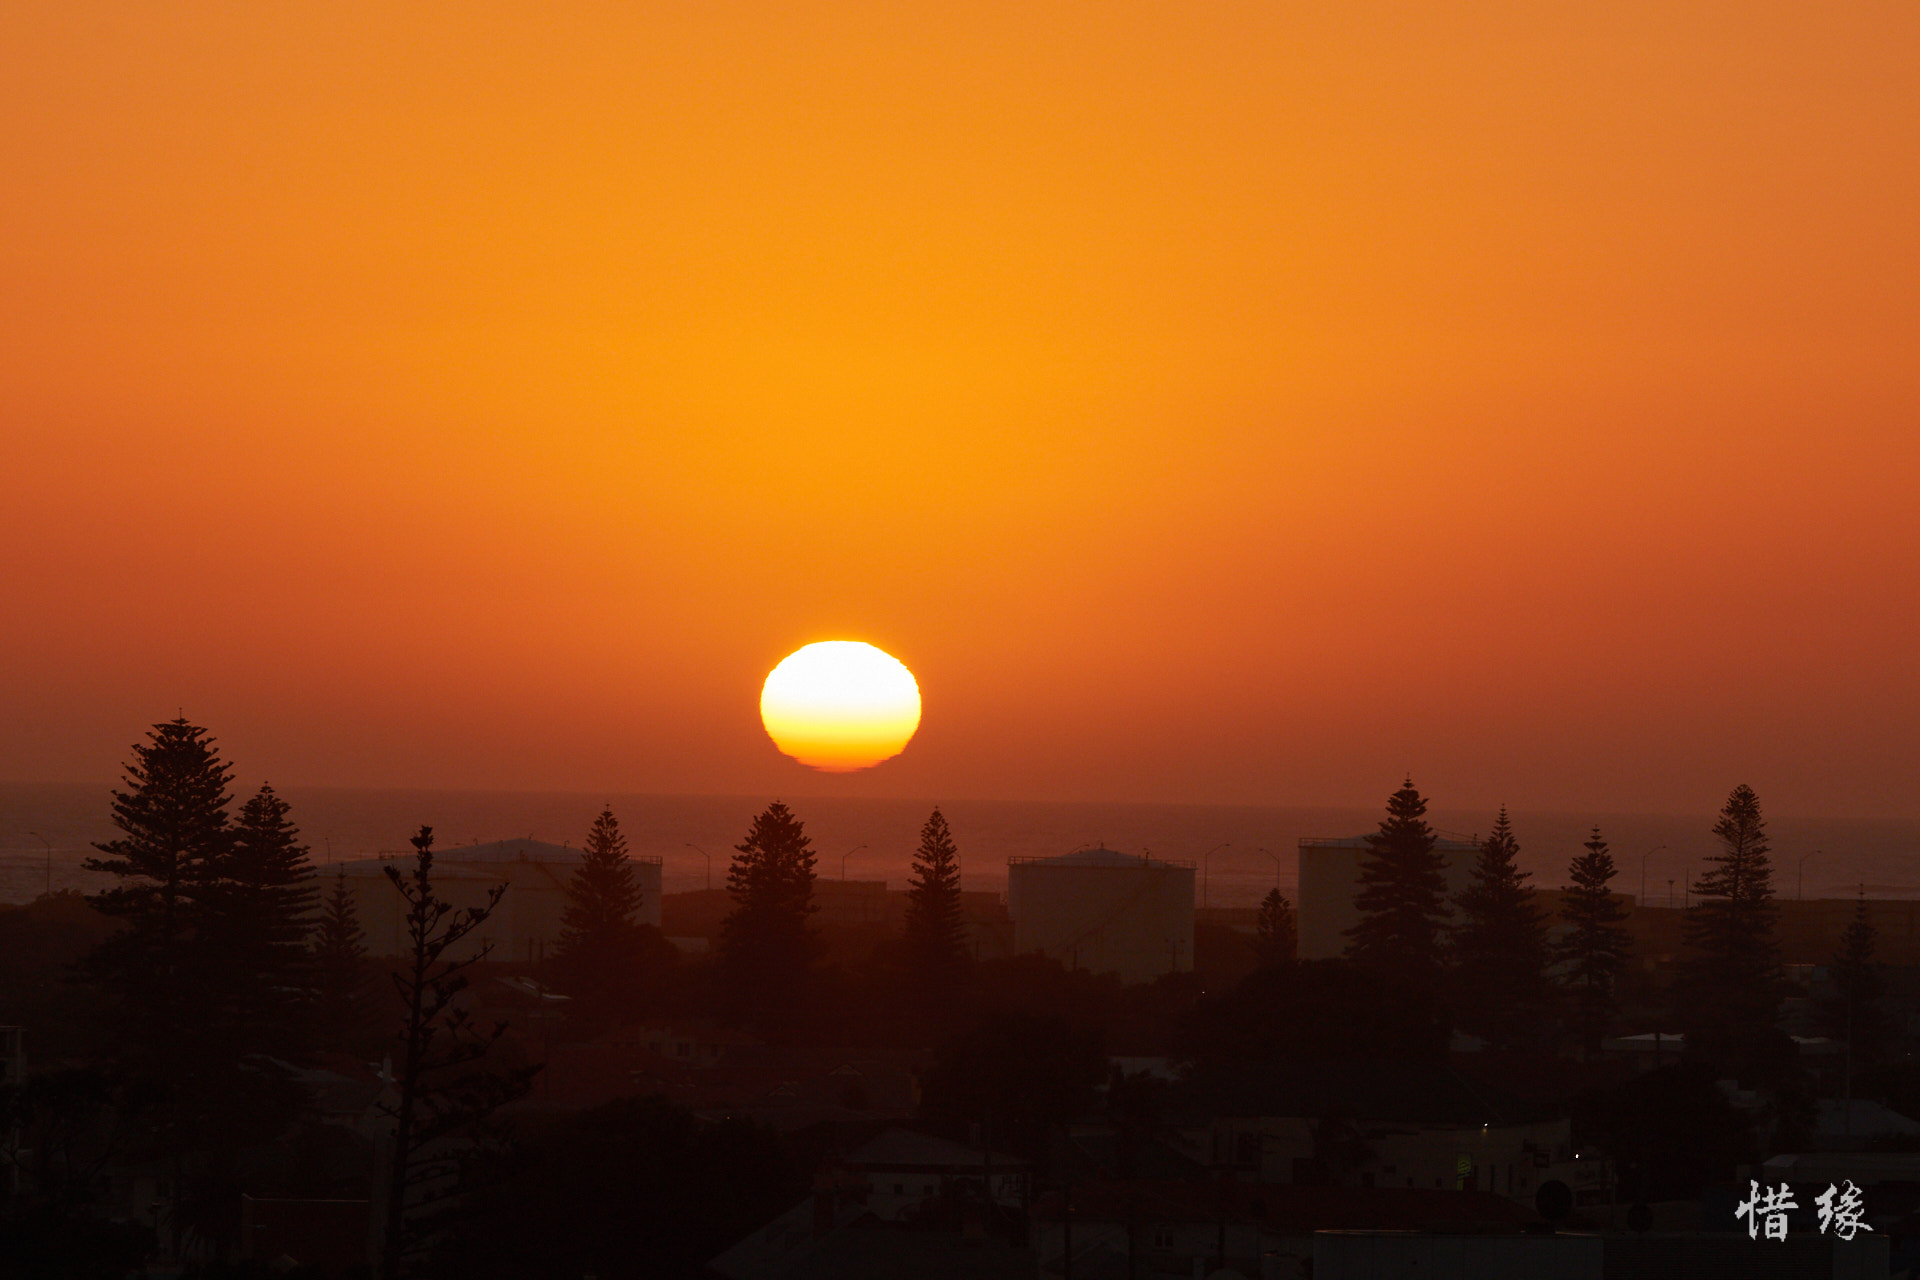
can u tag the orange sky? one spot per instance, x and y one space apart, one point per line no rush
1207 402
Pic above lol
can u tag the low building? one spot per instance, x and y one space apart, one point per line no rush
1410 1125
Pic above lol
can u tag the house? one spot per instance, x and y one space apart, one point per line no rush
1153 1229
1383 1124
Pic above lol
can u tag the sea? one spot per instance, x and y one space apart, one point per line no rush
1239 851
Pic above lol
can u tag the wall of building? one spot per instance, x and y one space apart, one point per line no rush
522 929
1132 917
1330 879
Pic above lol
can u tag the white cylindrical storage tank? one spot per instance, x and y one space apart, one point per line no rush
1104 911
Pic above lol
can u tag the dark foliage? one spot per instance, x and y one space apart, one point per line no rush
1276 936
448 1086
1594 951
936 933
181 1027
1499 947
42 1248
1017 1077
66 1129
258 912
1852 1012
343 995
767 947
40 944
632 1190
1317 1011
1669 1132
1734 981
604 951
174 841
1402 896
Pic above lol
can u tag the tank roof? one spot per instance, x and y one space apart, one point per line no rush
1101 857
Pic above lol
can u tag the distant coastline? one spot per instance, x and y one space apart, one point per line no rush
869 839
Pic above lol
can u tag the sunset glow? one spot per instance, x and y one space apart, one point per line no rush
840 705
1234 402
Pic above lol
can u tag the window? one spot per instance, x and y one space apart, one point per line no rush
1163 1237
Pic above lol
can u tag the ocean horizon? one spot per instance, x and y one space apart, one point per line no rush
1239 851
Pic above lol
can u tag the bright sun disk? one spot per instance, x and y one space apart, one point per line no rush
840 705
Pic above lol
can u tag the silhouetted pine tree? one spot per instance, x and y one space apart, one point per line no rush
1402 896
1276 934
936 930
341 976
767 948
601 949
446 1091
1594 952
174 841
260 910
1500 947
1852 1013
172 982
1733 979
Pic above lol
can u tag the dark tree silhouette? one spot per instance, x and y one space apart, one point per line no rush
190 1022
1593 953
1276 935
767 948
446 1091
1853 1012
1017 1076
343 1003
1733 976
1402 896
602 945
936 931
173 845
260 911
635 1188
1316 1011
1669 1132
1500 947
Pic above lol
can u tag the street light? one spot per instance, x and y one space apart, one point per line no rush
1800 876
1276 863
43 840
709 857
848 854
1203 870
1643 869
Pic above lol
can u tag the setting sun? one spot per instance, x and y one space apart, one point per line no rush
840 705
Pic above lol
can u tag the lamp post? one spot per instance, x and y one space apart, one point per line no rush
1800 876
1276 863
848 854
709 857
1643 869
1669 893
1203 870
43 840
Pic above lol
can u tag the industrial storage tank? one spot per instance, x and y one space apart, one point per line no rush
1330 882
1104 911
526 924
